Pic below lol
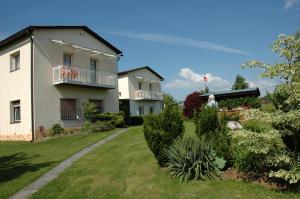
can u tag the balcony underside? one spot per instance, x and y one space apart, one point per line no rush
81 84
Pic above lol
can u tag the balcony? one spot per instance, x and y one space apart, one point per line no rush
84 76
148 95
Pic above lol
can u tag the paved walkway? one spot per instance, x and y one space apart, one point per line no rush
53 173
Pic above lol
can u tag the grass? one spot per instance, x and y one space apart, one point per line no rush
125 168
23 162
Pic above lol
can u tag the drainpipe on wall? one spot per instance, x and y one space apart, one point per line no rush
31 85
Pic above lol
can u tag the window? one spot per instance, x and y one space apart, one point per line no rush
93 64
98 104
67 60
141 110
68 109
140 85
151 109
15 61
150 87
15 111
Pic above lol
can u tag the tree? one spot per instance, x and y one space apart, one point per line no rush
240 83
192 103
287 47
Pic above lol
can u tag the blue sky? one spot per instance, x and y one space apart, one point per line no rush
182 40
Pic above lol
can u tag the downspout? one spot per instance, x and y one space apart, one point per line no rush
31 86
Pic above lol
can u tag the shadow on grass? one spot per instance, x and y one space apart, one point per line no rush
15 165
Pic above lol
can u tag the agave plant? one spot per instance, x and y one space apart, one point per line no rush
192 158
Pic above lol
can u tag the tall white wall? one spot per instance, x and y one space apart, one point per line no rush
15 86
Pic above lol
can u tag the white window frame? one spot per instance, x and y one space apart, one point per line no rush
69 56
15 59
14 107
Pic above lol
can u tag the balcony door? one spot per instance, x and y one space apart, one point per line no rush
93 64
67 60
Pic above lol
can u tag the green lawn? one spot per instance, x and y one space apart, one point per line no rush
125 168
23 162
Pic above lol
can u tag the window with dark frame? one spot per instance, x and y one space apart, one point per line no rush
98 104
67 59
151 109
141 110
68 109
93 64
140 85
150 87
15 111
15 61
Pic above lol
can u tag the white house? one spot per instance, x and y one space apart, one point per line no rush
48 72
140 91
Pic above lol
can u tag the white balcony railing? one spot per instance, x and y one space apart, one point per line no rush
83 76
148 95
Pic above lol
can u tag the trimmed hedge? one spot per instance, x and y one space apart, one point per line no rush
135 120
252 102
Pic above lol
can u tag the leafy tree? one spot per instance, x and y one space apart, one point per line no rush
240 83
287 47
192 103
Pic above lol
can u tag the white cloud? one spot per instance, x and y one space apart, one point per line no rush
290 3
183 41
263 85
187 78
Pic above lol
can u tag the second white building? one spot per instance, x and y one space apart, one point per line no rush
140 91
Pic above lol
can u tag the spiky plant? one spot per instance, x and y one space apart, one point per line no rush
192 158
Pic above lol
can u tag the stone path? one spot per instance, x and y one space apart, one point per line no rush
53 173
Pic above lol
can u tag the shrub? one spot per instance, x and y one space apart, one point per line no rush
255 126
56 129
222 144
116 119
230 116
192 103
192 158
86 126
101 126
207 121
89 112
252 102
269 107
161 130
136 120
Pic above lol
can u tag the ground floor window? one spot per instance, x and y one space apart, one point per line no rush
98 104
141 110
151 109
15 111
68 109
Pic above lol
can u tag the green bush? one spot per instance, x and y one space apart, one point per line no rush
207 122
101 126
161 130
255 126
135 120
230 116
222 144
192 158
116 119
270 108
252 102
89 112
56 129
86 127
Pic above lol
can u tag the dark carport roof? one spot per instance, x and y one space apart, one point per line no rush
254 91
28 30
139 68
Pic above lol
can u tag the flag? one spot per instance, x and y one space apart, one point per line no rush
205 78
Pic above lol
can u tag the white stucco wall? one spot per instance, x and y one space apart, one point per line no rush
46 55
123 85
15 86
